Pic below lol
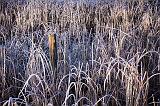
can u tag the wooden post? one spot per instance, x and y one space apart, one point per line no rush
53 50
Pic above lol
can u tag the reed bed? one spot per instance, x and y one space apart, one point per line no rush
80 53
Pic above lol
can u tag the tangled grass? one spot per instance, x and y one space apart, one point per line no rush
107 53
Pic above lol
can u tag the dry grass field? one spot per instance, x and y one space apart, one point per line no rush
80 53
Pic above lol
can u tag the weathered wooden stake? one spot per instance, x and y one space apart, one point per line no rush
53 50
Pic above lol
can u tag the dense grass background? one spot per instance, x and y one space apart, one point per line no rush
107 53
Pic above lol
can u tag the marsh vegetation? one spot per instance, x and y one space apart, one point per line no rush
106 54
